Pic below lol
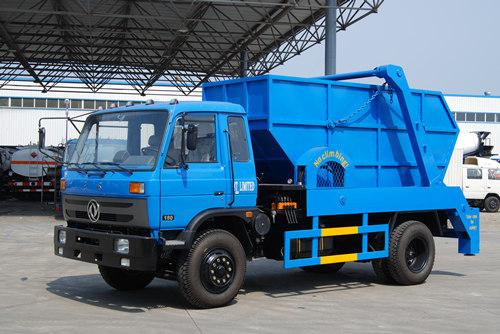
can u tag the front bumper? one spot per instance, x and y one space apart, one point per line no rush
98 248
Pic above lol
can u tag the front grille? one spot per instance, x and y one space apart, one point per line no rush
106 228
126 212
110 217
103 203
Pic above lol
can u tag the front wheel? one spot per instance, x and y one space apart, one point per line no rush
411 253
212 272
126 280
491 204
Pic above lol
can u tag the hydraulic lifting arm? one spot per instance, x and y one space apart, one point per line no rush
395 78
464 219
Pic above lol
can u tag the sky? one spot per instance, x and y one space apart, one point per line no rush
451 46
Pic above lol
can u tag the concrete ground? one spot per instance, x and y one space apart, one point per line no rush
42 293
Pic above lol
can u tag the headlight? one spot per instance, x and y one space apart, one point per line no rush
62 237
121 246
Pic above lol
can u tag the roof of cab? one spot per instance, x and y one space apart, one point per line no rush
220 107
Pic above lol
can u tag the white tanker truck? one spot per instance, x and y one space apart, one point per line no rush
33 170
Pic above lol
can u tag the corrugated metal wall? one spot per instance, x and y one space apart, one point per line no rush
473 103
20 126
22 105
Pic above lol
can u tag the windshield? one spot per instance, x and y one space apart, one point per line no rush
69 150
128 139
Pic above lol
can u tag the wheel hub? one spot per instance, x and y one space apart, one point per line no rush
217 272
416 255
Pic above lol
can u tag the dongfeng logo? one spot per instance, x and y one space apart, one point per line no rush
93 211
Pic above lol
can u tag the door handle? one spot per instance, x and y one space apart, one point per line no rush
218 193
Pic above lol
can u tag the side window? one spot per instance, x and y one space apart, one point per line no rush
238 139
494 174
460 116
474 174
205 145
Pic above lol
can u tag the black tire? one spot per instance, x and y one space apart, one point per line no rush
411 253
324 268
381 268
199 284
126 280
491 204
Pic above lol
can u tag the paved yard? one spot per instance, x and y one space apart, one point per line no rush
42 293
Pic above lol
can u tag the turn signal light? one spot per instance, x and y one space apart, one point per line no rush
136 187
63 184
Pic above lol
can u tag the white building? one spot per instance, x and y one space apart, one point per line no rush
21 106
477 113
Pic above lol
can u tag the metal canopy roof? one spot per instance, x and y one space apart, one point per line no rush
145 42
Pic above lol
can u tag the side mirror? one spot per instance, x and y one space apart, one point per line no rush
192 137
41 138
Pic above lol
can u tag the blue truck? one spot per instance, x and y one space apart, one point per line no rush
313 172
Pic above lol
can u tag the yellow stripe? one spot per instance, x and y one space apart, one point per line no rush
338 258
330 232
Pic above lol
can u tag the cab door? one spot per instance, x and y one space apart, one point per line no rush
241 163
474 182
200 183
493 182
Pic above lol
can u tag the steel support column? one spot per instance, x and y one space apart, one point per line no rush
244 63
331 38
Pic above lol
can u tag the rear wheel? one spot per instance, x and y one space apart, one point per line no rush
411 253
324 268
126 280
213 271
491 204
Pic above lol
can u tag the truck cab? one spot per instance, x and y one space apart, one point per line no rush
140 174
481 183
132 157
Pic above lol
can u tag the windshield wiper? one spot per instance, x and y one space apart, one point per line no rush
130 171
95 164
78 167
